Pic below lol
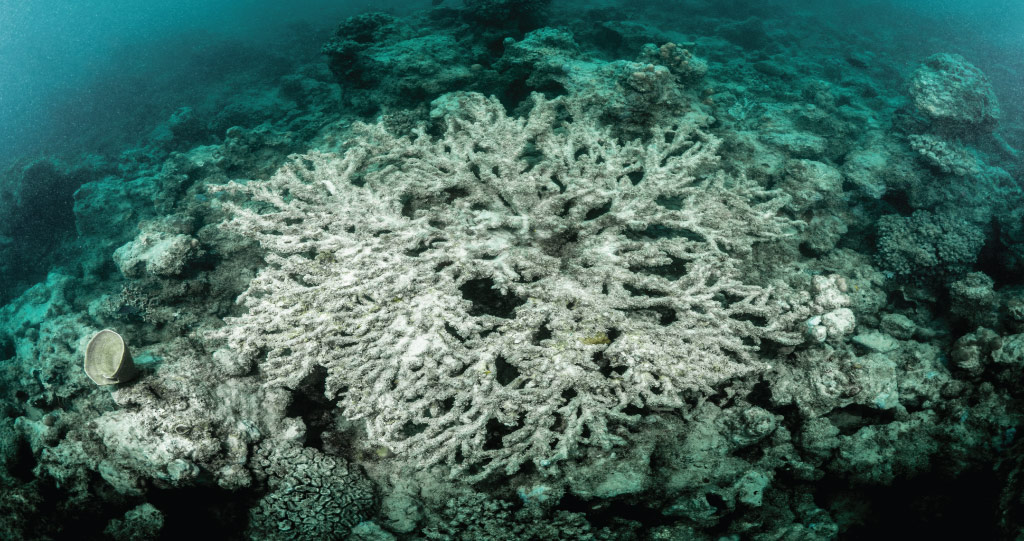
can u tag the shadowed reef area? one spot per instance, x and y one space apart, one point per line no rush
526 269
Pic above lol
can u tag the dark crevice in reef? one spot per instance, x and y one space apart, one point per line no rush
655 232
852 418
634 411
517 91
807 251
931 506
489 301
504 372
897 201
604 513
899 302
76 522
761 395
597 212
997 262
411 429
214 512
671 271
791 419
770 348
6 348
543 333
453 332
496 431
757 319
23 462
717 501
605 367
956 325
209 261
315 409
642 292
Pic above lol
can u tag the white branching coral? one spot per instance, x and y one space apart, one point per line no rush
513 288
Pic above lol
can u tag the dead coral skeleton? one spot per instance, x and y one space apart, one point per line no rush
453 285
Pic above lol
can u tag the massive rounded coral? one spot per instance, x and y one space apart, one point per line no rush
311 496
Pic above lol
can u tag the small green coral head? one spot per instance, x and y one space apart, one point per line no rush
107 359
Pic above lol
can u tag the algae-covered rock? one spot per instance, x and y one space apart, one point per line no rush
954 94
541 57
876 342
382 62
615 474
811 184
972 353
865 169
799 144
370 531
142 522
898 325
44 335
156 253
974 299
878 454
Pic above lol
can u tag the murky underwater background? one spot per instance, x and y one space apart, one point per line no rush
511 269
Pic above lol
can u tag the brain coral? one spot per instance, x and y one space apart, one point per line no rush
312 495
512 289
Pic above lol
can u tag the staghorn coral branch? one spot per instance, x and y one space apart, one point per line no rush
504 292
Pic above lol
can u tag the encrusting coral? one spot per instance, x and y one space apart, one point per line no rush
512 289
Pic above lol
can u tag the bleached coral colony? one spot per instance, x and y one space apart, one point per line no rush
511 274
508 272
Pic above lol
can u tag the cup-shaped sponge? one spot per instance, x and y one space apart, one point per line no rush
107 359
